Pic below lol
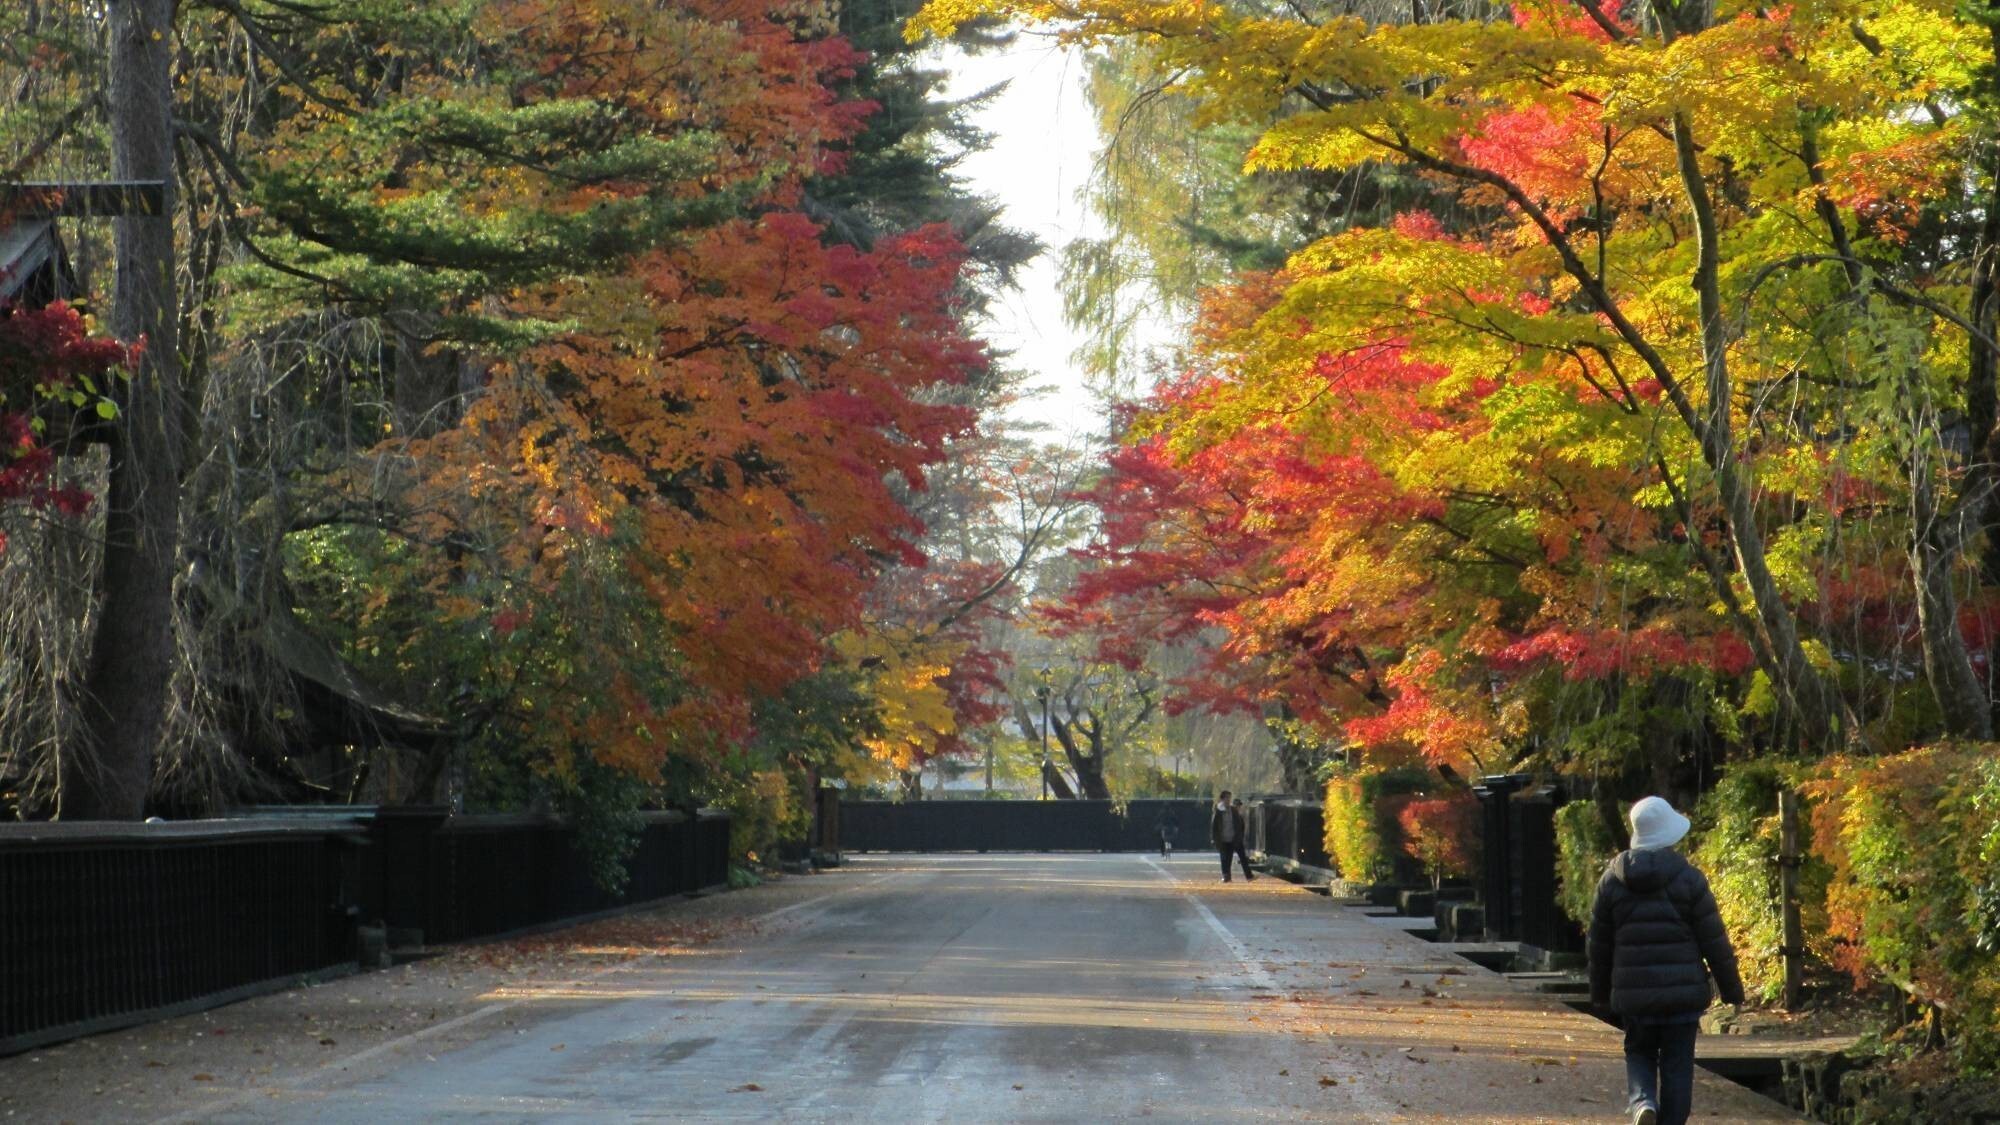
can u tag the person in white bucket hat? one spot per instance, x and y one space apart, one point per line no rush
1656 938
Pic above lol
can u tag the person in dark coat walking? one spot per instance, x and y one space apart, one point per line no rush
1242 835
1656 937
1225 831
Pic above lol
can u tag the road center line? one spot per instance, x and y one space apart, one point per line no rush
1254 970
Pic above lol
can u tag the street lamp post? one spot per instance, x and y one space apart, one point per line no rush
1042 690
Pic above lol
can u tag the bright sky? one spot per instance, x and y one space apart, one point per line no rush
1045 140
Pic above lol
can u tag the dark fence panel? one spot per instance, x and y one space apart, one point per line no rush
1291 830
99 922
1518 881
106 925
462 877
1019 826
1540 918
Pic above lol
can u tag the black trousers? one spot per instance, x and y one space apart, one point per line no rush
1233 850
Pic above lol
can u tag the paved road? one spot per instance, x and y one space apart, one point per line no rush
1019 988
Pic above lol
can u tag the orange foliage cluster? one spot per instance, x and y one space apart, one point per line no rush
736 410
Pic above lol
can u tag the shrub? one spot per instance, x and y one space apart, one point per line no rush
1442 833
1913 898
1360 830
764 808
1584 845
1737 846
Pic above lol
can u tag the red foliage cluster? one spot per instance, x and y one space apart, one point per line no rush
46 355
1442 833
1597 653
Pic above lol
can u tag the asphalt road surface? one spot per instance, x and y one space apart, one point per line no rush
1015 988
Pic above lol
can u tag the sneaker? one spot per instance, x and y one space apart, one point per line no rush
1249 878
1645 1115
1225 878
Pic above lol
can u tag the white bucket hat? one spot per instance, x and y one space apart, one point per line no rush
1655 824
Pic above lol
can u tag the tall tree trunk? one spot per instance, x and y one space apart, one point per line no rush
1934 550
131 655
1057 782
1087 765
1807 696
1090 779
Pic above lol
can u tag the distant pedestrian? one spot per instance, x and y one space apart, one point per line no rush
1655 939
1225 831
1242 834
1165 828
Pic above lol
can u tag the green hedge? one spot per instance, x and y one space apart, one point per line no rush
1912 844
1361 832
1736 846
1583 846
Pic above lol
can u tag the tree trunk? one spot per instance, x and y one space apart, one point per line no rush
1058 784
131 654
1934 551
1088 767
1090 779
1806 695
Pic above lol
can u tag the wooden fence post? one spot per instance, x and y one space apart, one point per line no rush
1788 895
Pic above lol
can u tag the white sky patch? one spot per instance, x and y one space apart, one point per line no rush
1045 142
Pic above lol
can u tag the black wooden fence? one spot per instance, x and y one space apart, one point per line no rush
1019 826
1291 832
1518 856
457 878
1518 880
106 925
98 922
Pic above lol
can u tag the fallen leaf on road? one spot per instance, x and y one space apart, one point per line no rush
204 1078
748 1088
1017 1085
558 1047
325 1041
1328 1080
154 1062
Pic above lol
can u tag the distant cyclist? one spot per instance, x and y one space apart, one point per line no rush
1166 826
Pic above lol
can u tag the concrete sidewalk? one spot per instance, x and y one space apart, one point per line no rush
944 988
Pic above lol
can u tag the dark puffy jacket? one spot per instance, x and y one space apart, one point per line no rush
1653 926
1215 826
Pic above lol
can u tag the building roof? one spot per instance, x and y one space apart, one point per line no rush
27 249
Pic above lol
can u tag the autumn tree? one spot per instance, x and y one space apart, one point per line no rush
1605 160
536 389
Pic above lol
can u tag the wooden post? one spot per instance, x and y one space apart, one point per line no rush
1788 895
